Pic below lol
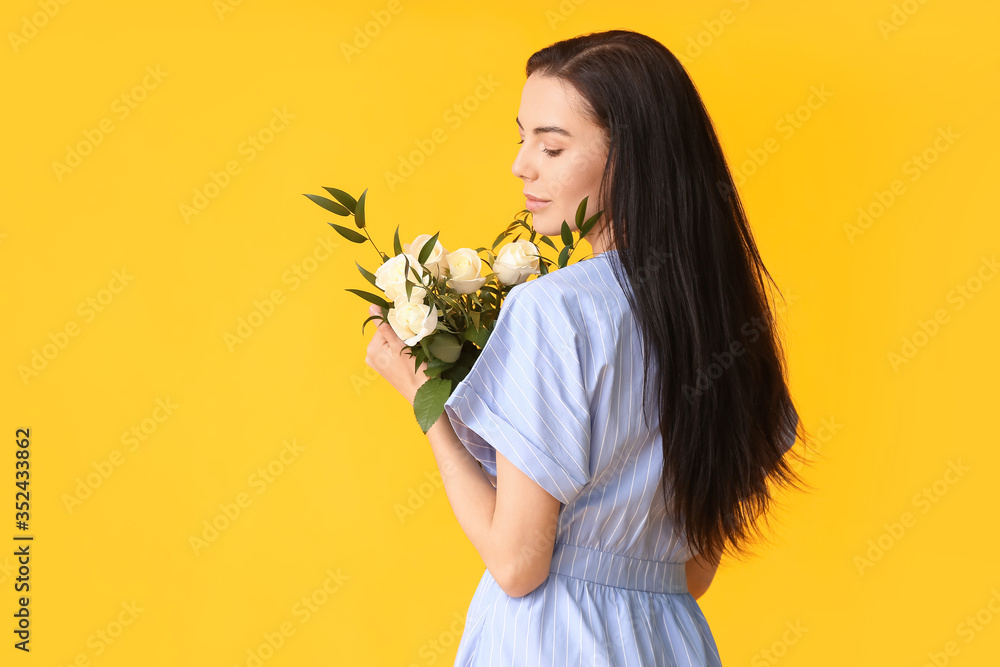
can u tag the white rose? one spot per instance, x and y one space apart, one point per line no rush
389 276
412 320
435 262
516 261
466 268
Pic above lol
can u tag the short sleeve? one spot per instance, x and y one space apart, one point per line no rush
525 394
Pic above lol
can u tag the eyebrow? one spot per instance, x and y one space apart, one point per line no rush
546 128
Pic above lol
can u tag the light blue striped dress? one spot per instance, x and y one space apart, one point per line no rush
558 390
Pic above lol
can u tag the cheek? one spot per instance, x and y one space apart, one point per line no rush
574 183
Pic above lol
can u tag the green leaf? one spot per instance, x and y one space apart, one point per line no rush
359 211
371 298
436 366
396 246
406 277
370 318
478 336
581 210
347 200
370 277
546 240
428 402
349 234
329 205
567 235
427 248
591 221
445 346
564 255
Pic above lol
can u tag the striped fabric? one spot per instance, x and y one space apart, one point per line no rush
557 390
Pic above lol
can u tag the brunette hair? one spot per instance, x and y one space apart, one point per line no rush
709 335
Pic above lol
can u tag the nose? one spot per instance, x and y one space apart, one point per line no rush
521 168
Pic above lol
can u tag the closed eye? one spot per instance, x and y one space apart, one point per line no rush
546 150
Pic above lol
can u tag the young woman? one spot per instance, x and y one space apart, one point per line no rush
623 426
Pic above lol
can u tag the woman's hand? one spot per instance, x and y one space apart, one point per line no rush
388 356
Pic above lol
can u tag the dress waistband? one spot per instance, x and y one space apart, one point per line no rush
613 569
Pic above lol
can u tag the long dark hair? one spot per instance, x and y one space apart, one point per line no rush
704 309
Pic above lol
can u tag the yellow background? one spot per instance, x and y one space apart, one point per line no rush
404 581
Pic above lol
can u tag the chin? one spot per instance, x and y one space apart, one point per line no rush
544 225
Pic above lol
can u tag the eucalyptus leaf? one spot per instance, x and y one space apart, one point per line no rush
369 319
371 298
581 210
564 255
329 204
349 202
547 241
567 234
396 246
427 248
359 211
591 221
369 276
349 234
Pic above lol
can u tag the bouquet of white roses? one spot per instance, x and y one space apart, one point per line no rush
438 302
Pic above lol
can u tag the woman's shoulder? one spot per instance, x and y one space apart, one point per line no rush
562 287
581 305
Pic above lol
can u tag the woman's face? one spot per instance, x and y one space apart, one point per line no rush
562 156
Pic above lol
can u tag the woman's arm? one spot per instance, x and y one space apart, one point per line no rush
700 573
512 526
471 495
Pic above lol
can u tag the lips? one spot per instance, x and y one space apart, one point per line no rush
535 205
536 199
